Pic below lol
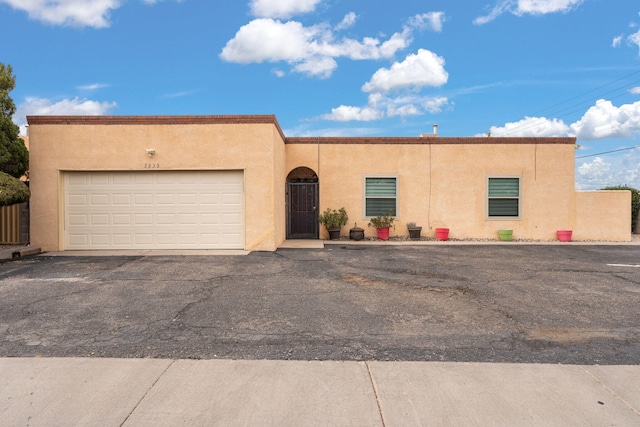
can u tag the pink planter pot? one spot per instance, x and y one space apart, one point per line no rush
564 235
383 233
442 233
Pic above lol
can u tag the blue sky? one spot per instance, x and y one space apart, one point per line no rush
329 67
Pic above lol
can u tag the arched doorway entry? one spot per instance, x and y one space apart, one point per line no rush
302 204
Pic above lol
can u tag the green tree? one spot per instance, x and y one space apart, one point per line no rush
14 157
635 201
12 190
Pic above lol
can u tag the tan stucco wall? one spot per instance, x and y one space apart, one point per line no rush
604 215
255 148
445 185
279 180
442 181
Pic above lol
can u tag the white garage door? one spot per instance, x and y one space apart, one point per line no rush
154 210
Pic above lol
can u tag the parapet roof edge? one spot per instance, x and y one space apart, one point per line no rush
157 120
430 140
271 119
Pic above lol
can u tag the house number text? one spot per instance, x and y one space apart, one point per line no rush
151 165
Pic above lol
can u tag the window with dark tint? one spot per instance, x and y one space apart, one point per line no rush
504 197
380 195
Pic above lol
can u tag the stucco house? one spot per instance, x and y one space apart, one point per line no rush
237 182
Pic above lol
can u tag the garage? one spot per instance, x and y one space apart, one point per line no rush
154 210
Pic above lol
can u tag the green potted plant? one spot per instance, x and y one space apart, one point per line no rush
333 220
505 234
414 230
382 223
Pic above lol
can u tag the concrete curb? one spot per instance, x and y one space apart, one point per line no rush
635 240
19 252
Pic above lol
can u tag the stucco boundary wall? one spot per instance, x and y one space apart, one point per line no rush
603 215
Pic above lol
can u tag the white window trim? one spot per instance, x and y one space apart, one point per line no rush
364 194
486 199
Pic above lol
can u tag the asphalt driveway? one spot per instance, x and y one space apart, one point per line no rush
568 304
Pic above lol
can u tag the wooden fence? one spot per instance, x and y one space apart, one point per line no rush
14 224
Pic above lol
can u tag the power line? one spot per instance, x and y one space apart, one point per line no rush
539 120
534 123
589 91
607 152
602 94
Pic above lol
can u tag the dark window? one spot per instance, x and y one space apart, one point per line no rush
380 195
504 197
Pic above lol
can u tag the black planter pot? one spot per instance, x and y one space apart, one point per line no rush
334 233
356 233
414 232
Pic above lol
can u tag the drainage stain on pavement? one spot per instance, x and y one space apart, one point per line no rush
567 335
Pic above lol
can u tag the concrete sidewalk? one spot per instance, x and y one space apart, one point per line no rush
153 392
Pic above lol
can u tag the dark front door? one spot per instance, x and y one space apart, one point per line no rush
302 210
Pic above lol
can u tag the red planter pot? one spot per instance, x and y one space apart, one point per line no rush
564 235
442 233
383 233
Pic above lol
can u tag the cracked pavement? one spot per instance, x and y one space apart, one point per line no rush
475 303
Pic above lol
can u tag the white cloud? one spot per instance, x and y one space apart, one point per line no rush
632 40
616 41
593 175
424 68
434 105
46 107
311 50
72 13
345 113
157 1
616 170
281 8
303 129
381 106
428 21
413 105
542 7
605 120
348 21
75 106
635 39
75 13
181 94
318 66
269 40
499 9
602 120
532 126
314 49
528 7
597 168
630 169
417 71
92 87
635 90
